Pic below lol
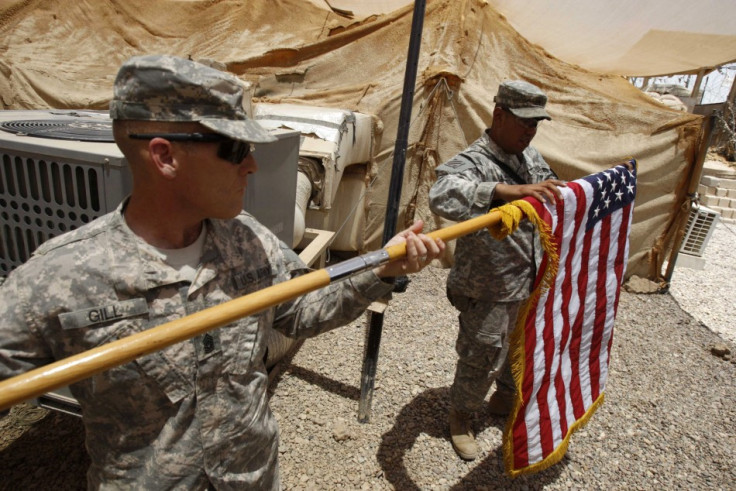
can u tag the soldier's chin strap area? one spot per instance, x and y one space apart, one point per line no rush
83 365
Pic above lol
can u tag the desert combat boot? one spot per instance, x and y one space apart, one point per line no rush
461 434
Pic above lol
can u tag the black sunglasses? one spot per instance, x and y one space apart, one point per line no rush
234 151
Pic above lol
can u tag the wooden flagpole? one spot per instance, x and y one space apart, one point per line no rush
78 367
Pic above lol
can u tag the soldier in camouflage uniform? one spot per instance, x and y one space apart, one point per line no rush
194 415
491 279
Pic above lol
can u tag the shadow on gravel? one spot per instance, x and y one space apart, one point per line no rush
427 414
50 454
328 384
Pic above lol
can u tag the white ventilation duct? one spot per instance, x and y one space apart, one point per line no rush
303 193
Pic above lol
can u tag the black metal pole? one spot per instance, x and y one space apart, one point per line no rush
373 337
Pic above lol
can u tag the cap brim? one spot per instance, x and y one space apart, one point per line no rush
530 113
239 129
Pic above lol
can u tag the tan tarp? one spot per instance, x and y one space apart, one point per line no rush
626 37
65 55
629 37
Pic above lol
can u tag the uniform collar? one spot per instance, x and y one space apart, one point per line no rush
140 268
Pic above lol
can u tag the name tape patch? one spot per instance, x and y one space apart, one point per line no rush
104 313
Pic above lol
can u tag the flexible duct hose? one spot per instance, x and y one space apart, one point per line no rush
303 193
278 344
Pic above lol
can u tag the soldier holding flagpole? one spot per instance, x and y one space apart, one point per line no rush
195 414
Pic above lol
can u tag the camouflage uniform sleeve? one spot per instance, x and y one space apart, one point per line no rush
327 308
21 349
461 192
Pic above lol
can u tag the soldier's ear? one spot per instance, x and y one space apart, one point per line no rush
499 113
162 156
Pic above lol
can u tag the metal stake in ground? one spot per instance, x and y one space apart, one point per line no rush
373 337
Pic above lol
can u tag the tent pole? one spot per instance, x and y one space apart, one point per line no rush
373 337
696 86
692 197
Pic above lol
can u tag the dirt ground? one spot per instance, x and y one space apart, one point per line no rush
35 443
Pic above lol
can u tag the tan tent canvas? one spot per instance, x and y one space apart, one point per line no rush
630 37
65 55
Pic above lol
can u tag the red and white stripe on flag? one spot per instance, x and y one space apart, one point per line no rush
561 346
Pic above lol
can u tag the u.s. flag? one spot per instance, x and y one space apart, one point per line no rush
561 347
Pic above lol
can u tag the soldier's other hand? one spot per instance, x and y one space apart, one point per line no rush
545 191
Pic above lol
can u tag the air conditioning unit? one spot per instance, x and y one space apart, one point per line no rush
335 150
61 169
700 225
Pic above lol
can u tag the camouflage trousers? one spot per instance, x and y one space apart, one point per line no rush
482 347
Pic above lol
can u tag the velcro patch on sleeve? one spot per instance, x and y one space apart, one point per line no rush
455 166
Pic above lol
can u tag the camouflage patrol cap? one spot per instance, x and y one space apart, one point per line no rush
167 88
522 99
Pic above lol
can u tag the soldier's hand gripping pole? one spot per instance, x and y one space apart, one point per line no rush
74 368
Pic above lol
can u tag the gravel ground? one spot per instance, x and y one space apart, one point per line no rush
668 420
710 294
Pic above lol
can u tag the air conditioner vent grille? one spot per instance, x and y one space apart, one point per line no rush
700 225
40 199
81 129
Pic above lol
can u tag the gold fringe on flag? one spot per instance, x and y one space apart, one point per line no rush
511 216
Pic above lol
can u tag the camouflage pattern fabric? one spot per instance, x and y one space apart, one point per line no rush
482 347
194 414
522 99
486 268
168 88
490 279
